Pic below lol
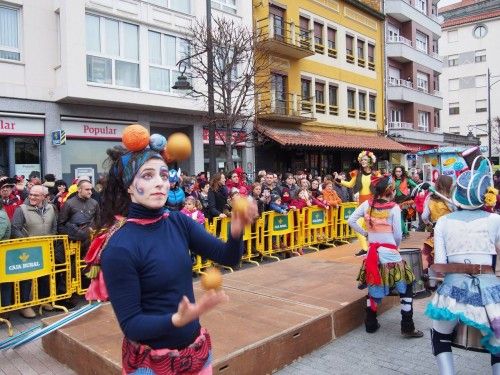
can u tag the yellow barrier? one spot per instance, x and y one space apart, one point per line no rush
201 264
34 271
280 233
314 224
344 231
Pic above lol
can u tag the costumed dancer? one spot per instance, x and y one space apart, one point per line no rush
465 243
402 195
360 183
147 269
435 206
384 269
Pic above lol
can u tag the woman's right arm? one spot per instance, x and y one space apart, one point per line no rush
122 282
356 215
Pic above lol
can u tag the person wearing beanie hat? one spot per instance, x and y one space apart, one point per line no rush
276 205
465 245
143 254
384 269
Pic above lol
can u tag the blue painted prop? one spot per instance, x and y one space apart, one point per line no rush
10 340
33 333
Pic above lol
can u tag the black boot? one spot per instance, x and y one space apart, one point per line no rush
371 323
408 327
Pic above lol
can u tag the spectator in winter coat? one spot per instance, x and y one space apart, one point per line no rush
343 192
217 196
276 205
330 196
176 195
203 197
10 201
192 208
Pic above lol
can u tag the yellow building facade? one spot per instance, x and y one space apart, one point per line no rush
326 79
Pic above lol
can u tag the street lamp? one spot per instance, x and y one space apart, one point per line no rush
489 109
183 84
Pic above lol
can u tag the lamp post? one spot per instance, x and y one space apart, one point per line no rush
489 109
183 84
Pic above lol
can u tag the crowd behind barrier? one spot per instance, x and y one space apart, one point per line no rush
273 234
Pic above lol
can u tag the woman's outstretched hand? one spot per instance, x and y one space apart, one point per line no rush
240 219
187 311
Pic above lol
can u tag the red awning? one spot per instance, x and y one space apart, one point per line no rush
329 139
239 138
416 147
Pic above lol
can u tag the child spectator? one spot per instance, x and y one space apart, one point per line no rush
315 188
193 209
256 194
276 205
330 196
203 196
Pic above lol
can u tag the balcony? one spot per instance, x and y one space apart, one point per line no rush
287 107
404 10
399 125
402 91
401 49
284 38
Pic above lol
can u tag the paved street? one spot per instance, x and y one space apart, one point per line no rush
385 352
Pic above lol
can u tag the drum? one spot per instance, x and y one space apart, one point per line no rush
468 338
413 259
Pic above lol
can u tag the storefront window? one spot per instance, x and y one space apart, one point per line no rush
27 157
84 158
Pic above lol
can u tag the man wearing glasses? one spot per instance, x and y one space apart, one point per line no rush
34 218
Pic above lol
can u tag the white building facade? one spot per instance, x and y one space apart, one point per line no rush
470 46
91 68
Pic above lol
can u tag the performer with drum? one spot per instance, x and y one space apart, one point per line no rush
384 269
465 243
360 183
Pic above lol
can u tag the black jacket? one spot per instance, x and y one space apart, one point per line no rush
217 200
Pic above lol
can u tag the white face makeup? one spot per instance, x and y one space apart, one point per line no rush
150 185
365 161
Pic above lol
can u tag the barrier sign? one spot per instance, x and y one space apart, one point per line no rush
24 261
346 212
280 223
317 218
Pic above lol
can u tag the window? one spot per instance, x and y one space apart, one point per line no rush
481 105
422 42
349 41
454 108
480 56
351 108
277 15
228 6
422 82
396 117
320 97
362 105
164 52
453 36
279 88
453 84
333 99
421 5
112 52
423 121
305 35
371 106
332 45
318 38
480 31
305 90
371 56
453 60
9 34
481 81
361 52
178 5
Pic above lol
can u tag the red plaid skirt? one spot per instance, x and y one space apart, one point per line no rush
194 359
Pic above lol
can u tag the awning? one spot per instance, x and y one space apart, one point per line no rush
416 147
329 139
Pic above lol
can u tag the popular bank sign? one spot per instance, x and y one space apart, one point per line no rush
93 130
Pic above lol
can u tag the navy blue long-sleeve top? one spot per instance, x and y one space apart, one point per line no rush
148 269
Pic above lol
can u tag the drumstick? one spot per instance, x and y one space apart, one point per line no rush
418 187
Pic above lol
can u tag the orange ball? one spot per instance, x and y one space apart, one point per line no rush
211 279
135 137
179 146
240 205
168 158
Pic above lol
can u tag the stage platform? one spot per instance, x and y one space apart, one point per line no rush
277 312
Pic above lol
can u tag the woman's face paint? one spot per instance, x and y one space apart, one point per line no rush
150 185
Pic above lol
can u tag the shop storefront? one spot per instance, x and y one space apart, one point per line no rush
84 153
220 150
21 144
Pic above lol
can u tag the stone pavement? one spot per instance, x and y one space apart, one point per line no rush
385 352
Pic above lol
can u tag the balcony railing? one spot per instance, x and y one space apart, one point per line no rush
371 63
400 82
284 38
333 110
436 56
362 115
423 127
399 39
400 125
289 107
351 112
361 62
349 58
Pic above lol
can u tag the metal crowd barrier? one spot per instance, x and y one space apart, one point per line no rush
46 269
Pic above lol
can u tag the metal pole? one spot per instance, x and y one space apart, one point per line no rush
210 82
489 115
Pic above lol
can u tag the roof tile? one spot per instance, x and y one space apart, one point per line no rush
469 19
